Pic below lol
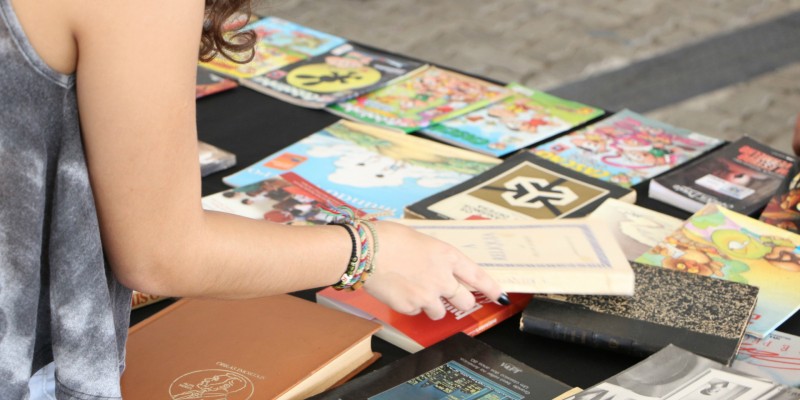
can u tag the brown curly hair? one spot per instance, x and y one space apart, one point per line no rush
219 37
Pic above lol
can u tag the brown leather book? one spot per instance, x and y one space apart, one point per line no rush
277 347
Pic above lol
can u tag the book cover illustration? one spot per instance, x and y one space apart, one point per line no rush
457 368
370 168
637 229
775 357
742 176
285 199
339 74
723 244
524 186
520 120
431 96
213 159
705 315
626 148
279 43
209 83
783 208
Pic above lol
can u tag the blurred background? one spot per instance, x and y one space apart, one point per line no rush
720 67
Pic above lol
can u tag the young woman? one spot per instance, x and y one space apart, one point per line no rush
97 123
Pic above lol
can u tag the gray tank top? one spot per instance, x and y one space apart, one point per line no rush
59 301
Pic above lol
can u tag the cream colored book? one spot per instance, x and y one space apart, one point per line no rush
570 256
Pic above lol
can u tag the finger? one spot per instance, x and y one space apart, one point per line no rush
462 299
435 309
474 277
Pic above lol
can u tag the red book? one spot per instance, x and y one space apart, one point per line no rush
414 333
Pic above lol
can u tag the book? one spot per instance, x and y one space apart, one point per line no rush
286 199
724 244
524 118
677 374
413 333
279 43
209 83
637 229
343 72
431 96
139 299
626 148
782 209
705 315
280 347
368 167
459 367
574 256
523 186
742 176
775 357
213 159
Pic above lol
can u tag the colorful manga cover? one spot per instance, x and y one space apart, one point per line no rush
521 120
724 244
429 97
626 148
783 209
280 43
375 170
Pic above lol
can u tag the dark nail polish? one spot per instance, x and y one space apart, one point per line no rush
503 299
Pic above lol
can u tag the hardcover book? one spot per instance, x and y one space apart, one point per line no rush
213 159
575 256
370 168
783 208
626 148
524 186
209 83
139 299
280 43
742 176
414 333
705 315
526 117
637 229
677 374
432 96
775 357
280 347
344 72
724 244
459 367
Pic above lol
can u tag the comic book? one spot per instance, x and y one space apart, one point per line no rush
429 97
724 244
626 148
280 43
783 209
342 73
209 83
373 169
526 117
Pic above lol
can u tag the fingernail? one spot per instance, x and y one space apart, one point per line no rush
503 299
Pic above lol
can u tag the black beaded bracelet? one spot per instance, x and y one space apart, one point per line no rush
351 267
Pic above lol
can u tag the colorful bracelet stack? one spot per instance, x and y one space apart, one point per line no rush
365 246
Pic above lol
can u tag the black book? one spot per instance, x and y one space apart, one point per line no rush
455 368
699 313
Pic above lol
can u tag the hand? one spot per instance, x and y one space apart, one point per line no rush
415 272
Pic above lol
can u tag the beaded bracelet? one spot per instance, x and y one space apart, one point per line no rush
362 260
353 264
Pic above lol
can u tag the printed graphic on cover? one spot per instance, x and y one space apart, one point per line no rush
431 96
776 357
526 117
783 209
724 244
626 148
339 74
280 43
370 168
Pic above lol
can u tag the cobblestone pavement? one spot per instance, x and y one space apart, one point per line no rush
547 43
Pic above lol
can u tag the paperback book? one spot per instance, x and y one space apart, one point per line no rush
775 357
524 118
460 367
783 208
705 315
370 168
279 43
741 176
431 96
575 256
523 186
724 244
209 83
344 72
213 159
626 148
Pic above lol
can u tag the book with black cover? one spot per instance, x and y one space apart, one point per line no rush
705 315
523 186
460 367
